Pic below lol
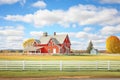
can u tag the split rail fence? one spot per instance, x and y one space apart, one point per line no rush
60 65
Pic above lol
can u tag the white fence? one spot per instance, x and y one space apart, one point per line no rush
60 65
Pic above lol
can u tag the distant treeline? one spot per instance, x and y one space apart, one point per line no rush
11 51
72 51
84 51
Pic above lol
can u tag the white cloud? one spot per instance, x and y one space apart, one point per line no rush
102 17
87 29
8 31
14 38
22 2
99 43
76 42
110 30
83 35
36 34
39 4
11 37
100 47
110 1
80 14
8 1
88 36
27 18
78 45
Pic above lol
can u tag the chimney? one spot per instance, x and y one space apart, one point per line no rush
45 34
54 33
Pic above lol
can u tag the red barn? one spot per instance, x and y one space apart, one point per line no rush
50 44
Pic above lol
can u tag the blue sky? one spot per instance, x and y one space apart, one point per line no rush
82 20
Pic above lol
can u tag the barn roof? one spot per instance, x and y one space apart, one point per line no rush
58 39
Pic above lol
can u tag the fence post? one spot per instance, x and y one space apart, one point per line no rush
41 66
61 65
96 65
6 65
79 65
23 65
108 65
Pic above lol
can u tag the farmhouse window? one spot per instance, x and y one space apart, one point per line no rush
52 44
48 50
48 44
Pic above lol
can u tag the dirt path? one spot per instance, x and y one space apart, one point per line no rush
28 78
47 78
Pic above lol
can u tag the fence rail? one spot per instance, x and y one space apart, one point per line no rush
60 65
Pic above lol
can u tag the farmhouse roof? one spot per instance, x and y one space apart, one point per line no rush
31 48
58 39
38 41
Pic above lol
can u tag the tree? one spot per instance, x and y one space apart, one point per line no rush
90 47
28 42
113 44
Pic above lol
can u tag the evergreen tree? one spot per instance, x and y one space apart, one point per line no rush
90 47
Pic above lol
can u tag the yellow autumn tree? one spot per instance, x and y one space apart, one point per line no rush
28 42
113 44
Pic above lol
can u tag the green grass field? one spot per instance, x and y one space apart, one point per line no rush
91 74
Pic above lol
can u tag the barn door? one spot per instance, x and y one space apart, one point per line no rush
54 50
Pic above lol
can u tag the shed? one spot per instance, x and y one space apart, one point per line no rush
94 51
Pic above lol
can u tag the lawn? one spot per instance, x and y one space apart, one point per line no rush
34 74
38 57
